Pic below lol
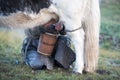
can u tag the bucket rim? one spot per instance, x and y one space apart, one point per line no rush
52 34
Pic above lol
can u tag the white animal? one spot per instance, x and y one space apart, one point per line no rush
85 14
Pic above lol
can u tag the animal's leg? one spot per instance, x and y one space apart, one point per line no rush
78 42
20 20
91 42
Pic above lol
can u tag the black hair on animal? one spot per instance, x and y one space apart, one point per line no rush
12 6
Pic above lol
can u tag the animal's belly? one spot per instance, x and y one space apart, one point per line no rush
70 14
71 20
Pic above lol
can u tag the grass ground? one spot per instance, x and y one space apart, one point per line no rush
110 24
12 67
